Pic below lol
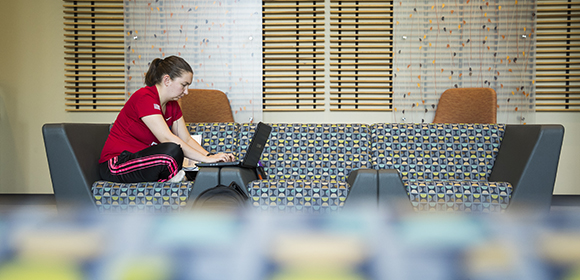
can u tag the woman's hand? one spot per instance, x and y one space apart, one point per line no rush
220 157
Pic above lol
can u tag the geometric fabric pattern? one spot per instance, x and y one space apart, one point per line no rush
312 151
444 167
307 165
217 137
427 151
462 196
149 197
298 196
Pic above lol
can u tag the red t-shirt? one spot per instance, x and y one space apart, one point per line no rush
129 132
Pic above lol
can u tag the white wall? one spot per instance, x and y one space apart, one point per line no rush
32 94
569 167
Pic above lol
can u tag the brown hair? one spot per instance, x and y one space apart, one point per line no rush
174 66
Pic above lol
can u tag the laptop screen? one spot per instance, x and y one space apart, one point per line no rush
257 144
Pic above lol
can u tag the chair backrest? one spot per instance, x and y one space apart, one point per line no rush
467 105
206 105
73 151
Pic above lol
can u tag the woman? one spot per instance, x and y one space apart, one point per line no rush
149 139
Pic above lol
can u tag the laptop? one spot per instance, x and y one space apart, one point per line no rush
254 152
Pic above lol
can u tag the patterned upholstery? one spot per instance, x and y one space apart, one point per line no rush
443 166
141 197
311 196
217 137
459 196
312 151
313 157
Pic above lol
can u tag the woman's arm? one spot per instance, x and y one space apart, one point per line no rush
181 131
159 128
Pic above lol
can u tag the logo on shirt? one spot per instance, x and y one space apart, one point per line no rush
153 143
156 106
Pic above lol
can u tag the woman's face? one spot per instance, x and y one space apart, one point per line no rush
178 87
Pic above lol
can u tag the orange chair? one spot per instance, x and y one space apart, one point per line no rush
206 105
467 105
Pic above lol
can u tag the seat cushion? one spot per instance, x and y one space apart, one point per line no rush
459 196
301 196
138 197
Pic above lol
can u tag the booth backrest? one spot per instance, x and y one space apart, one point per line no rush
217 137
312 151
426 152
423 152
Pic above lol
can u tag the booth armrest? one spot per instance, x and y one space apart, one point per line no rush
206 178
209 177
363 190
392 193
73 151
242 176
528 159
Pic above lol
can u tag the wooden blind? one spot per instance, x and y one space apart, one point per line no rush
293 55
94 55
361 55
558 56
357 44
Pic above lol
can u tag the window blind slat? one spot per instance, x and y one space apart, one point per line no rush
94 18
94 52
95 1
94 93
94 23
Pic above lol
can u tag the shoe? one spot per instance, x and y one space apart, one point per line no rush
179 177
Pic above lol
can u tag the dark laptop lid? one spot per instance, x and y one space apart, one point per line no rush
254 152
257 144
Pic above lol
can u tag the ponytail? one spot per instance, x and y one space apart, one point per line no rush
173 66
